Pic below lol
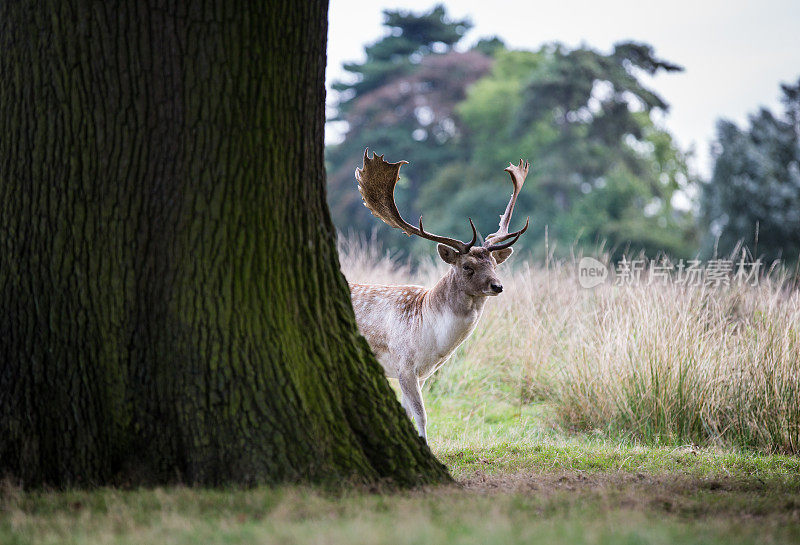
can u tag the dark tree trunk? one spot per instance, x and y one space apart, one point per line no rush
171 305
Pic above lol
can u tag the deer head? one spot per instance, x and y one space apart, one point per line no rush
473 267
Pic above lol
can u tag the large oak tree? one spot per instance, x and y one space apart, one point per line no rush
172 306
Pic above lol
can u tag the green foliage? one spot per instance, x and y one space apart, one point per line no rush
411 37
603 171
754 193
402 104
489 46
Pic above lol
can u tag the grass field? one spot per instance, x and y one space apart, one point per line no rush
650 415
656 361
518 482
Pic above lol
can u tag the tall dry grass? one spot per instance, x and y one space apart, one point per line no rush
659 362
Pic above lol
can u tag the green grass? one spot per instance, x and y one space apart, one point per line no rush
607 513
500 438
520 480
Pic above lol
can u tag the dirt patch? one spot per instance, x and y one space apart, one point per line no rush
587 480
557 481
677 494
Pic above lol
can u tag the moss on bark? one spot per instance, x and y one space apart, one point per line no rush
173 305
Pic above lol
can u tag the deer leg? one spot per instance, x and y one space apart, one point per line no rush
412 401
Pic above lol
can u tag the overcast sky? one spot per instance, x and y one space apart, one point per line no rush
735 52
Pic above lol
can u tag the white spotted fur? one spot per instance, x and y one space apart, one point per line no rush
413 331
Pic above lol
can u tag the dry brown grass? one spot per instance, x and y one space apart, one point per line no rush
661 363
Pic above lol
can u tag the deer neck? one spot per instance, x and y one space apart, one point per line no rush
447 296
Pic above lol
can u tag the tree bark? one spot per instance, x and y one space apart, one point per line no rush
172 305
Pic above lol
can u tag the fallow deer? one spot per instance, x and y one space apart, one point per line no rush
413 330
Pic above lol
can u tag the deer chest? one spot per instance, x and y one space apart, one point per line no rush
441 336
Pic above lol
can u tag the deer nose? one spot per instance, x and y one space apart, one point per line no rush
497 288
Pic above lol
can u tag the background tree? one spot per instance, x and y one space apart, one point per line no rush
756 183
410 38
173 306
603 170
401 102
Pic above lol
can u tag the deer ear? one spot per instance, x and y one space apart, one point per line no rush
502 255
447 254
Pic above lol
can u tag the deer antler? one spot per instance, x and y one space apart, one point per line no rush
376 182
492 242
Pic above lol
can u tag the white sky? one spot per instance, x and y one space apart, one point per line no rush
735 53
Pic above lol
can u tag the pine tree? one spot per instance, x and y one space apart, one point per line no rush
753 196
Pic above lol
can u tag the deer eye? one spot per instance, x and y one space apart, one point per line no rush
468 269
